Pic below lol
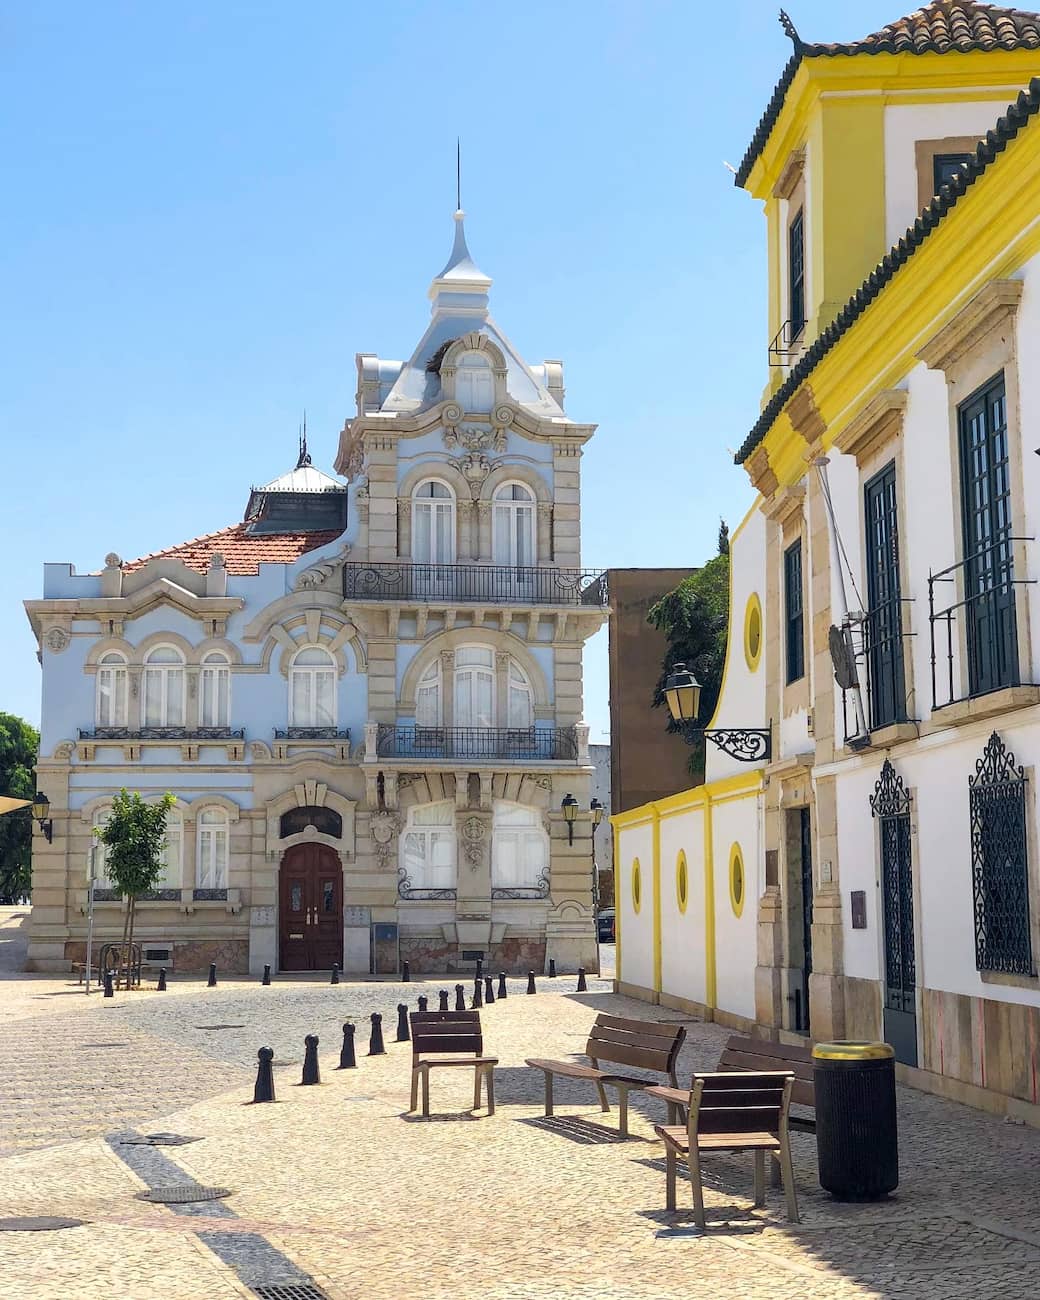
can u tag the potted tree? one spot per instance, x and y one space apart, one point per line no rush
134 837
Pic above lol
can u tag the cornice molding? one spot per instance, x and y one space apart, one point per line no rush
880 422
993 306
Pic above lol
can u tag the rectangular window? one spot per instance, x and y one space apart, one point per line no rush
989 592
793 612
796 273
999 862
883 630
945 166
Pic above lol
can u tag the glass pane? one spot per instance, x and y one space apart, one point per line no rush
328 895
422 533
325 692
174 698
443 552
296 898
300 704
428 706
485 699
502 552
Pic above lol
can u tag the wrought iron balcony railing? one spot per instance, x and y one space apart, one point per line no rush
311 733
786 342
876 641
493 584
501 744
162 733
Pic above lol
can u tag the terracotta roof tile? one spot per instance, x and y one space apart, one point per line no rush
243 554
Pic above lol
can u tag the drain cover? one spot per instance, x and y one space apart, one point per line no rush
44 1224
184 1193
290 1291
157 1140
220 1026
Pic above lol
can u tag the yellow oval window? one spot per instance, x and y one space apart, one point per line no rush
637 885
737 882
682 882
753 631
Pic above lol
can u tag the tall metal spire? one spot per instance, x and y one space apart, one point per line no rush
458 173
304 457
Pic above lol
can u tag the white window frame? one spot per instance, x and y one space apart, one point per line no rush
112 684
420 841
215 688
513 512
517 681
431 683
523 838
212 848
312 673
434 508
474 383
468 675
100 818
164 671
172 862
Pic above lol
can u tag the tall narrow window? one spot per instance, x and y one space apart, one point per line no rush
428 697
474 383
433 523
793 615
474 686
519 848
521 707
212 849
164 687
989 591
312 689
796 272
215 691
514 525
428 849
111 690
171 854
884 625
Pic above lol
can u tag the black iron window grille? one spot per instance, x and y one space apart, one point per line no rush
501 744
311 733
162 733
405 889
786 342
494 584
890 804
793 612
540 889
999 862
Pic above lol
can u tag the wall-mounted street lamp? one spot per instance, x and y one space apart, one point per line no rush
569 808
41 806
682 693
597 810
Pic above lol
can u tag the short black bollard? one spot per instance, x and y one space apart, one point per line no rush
335 974
489 991
443 997
406 973
403 1035
460 997
109 991
267 977
501 984
161 986
582 986
211 983
530 982
264 1090
375 1043
552 968
478 1001
311 1073
347 1059
480 967
424 1002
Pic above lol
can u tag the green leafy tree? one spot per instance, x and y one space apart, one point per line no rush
134 837
695 619
19 746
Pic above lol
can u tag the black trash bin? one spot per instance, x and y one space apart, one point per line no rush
856 1139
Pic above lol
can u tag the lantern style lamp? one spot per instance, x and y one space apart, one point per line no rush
569 808
41 806
682 693
597 810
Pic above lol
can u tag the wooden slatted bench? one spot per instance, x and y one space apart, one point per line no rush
642 1044
435 1033
759 1054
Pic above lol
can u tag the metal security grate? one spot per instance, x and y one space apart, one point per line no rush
184 1194
999 861
157 1140
44 1223
290 1291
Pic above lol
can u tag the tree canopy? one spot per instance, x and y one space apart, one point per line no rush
19 746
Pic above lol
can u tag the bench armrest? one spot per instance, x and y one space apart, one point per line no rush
678 1096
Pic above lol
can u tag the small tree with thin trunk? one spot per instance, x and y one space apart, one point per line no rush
135 839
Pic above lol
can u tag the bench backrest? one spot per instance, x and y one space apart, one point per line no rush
757 1054
445 1031
728 1102
645 1044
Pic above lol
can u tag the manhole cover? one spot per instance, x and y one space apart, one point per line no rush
43 1224
184 1193
157 1140
290 1291
220 1026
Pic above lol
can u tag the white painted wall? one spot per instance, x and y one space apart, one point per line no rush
683 972
737 821
637 928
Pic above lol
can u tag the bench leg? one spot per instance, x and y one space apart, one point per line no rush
415 1090
603 1103
669 1177
477 1074
426 1093
489 1085
775 1176
790 1194
548 1093
693 1161
760 1178
623 1111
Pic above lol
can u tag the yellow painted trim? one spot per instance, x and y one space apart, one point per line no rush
737 898
682 882
709 907
637 886
754 636
632 817
657 903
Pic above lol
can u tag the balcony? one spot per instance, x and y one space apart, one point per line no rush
488 584
162 733
311 733
482 744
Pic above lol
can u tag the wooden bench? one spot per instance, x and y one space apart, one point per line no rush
729 1111
643 1044
758 1054
435 1033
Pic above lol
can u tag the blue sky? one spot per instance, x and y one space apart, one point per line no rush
210 207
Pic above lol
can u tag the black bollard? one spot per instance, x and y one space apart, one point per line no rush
264 1090
403 1035
335 974
443 996
478 1001
501 984
406 973
109 991
552 968
375 1044
161 986
424 1002
489 991
582 986
211 983
347 1059
460 997
530 982
480 967
267 977
311 1073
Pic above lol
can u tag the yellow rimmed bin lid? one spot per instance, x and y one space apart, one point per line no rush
852 1050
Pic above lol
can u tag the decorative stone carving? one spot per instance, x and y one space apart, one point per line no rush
475 468
361 502
355 460
542 781
385 827
57 640
473 437
405 779
112 561
474 833
259 751
319 574
63 751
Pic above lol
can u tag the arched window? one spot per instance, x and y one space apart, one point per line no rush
164 687
215 691
428 847
433 523
519 847
172 852
111 692
474 686
211 854
101 816
521 702
474 383
514 525
312 688
428 697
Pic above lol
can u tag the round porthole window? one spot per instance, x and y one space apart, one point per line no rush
737 882
682 882
637 885
753 631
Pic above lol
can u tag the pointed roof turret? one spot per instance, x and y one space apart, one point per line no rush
462 287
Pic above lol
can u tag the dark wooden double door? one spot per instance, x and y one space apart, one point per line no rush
310 909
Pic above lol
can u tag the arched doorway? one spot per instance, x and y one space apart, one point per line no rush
310 895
